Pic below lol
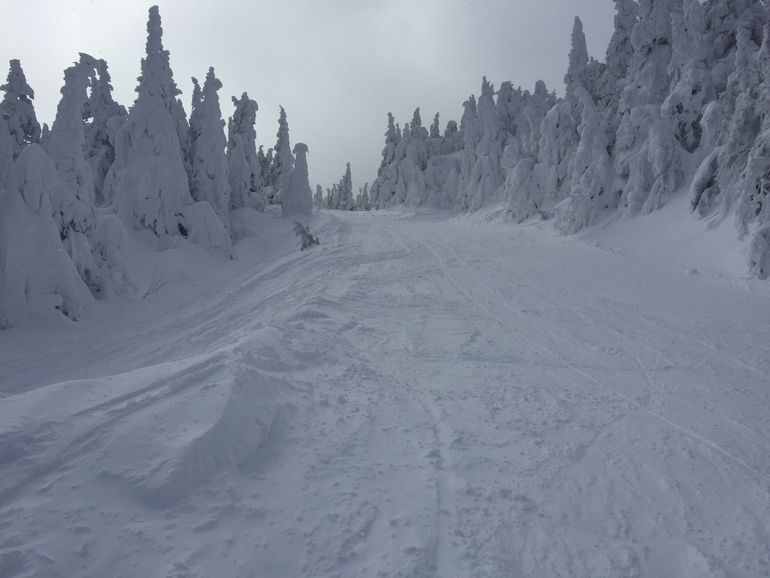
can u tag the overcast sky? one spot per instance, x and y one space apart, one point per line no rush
337 66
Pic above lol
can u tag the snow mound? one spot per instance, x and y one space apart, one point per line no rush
214 417
159 431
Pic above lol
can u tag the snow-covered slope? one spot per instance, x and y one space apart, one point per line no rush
418 396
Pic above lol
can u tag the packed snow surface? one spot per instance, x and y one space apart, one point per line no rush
417 396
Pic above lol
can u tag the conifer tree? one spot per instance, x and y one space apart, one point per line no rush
485 178
104 118
149 178
33 261
345 200
296 196
384 190
619 54
471 131
645 148
318 198
362 200
244 162
578 58
18 110
73 198
283 160
265 162
210 180
435 131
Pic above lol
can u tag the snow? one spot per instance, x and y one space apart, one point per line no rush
419 395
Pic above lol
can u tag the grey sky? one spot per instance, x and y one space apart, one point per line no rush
337 66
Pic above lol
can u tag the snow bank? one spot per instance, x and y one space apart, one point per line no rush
161 430
215 417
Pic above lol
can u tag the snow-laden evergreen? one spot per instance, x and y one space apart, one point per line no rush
481 175
33 263
243 160
73 200
339 196
318 198
296 196
344 198
362 199
210 180
17 109
149 179
678 104
281 162
35 269
54 247
104 118
68 192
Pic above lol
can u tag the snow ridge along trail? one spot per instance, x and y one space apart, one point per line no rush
418 396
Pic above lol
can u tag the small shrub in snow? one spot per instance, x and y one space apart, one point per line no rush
307 238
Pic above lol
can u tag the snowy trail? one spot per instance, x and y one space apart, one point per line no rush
417 397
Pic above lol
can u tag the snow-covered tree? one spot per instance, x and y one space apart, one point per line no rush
17 109
104 118
296 196
435 130
510 106
35 270
619 54
753 185
318 198
690 70
341 198
72 199
593 186
244 167
718 181
283 160
210 180
265 162
536 108
384 189
95 243
471 131
558 144
149 178
648 77
486 177
647 155
578 58
452 140
414 152
362 200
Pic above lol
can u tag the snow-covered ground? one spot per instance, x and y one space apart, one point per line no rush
419 396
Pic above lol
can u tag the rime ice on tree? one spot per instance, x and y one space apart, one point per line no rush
297 198
243 160
149 179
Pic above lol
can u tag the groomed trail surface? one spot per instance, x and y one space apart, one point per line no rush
416 397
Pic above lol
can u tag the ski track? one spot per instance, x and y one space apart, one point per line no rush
415 397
